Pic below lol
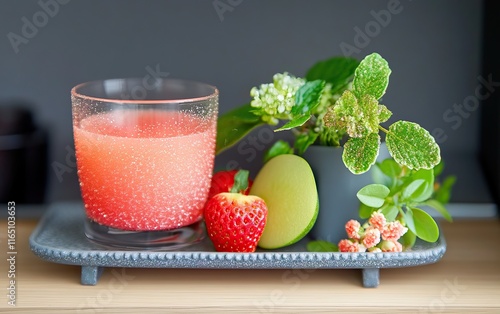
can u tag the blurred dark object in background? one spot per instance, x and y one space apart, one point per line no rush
490 107
23 156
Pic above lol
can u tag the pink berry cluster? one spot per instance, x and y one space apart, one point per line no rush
377 235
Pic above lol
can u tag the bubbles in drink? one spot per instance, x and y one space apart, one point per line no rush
145 169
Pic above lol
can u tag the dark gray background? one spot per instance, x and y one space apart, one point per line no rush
433 48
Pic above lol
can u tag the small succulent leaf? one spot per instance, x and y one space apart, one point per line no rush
383 113
387 172
337 71
295 122
408 239
234 125
371 76
322 246
307 98
428 176
373 195
425 226
365 211
390 212
379 177
411 145
280 147
361 153
408 217
439 207
414 190
304 140
390 168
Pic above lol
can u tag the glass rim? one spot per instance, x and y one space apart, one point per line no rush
214 93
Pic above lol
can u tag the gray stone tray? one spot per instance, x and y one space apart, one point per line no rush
59 238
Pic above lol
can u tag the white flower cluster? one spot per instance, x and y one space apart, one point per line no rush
277 99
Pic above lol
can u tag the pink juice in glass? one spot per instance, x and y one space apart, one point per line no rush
145 170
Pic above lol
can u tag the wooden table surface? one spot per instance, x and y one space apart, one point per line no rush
467 279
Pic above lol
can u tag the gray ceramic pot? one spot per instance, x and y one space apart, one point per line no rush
337 188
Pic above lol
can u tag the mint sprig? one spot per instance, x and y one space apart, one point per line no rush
360 114
340 97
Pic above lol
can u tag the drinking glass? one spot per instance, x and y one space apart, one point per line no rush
145 156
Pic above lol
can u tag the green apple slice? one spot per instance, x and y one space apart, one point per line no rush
287 185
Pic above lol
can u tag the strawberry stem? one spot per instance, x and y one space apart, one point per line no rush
240 181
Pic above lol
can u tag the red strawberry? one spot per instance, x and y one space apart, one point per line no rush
223 181
235 221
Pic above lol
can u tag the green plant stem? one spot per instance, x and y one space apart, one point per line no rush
383 129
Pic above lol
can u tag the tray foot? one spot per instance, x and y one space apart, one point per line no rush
91 274
371 277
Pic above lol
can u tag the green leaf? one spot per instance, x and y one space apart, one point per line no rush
295 122
411 145
413 190
428 176
279 148
439 207
443 193
244 113
343 114
322 246
408 217
373 195
379 177
307 98
361 153
234 125
304 140
337 71
422 224
390 212
408 239
383 113
390 168
240 181
371 76
365 211
369 113
387 173
358 116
